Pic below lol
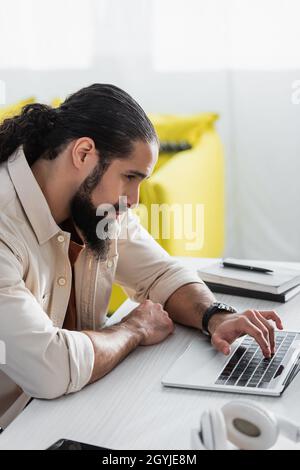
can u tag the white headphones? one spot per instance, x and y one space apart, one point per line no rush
245 424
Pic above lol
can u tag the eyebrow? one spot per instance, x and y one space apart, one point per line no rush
138 174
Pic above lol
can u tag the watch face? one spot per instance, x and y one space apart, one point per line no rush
223 306
226 307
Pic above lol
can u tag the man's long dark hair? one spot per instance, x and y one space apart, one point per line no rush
103 112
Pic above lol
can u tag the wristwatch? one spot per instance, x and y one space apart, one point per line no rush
216 307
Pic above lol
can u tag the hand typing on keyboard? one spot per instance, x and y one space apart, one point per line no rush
225 329
248 368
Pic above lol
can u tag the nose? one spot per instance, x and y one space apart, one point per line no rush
133 197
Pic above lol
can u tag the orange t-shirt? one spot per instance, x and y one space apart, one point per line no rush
75 247
70 322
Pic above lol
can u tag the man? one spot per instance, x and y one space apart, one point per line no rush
57 167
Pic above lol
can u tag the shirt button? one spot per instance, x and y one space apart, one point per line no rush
61 238
109 263
61 281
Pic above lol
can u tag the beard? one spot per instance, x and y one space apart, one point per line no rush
83 214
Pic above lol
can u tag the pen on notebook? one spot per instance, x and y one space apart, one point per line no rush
227 264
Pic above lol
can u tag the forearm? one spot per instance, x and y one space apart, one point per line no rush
112 345
188 304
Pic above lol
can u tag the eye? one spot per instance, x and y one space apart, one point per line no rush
130 177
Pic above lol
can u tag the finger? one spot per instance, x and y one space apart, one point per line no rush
270 328
272 315
220 344
252 315
171 325
248 327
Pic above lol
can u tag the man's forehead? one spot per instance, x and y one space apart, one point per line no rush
147 151
142 159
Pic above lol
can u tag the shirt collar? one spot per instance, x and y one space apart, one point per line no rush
31 197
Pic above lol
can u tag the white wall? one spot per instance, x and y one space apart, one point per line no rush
267 165
258 123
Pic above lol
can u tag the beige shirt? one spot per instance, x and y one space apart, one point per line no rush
44 359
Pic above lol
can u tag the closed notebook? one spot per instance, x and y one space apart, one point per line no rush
277 282
283 297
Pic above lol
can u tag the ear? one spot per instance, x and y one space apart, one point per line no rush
84 154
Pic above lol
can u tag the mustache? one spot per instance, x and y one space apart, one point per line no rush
116 209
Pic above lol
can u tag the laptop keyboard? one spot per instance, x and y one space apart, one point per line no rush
248 367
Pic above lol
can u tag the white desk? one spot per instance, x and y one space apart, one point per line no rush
130 409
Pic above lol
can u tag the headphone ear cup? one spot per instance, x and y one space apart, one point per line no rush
213 430
250 426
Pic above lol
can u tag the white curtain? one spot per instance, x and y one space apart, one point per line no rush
43 35
186 35
235 34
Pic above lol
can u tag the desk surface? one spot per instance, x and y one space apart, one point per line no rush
130 409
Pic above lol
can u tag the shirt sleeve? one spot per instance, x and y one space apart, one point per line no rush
45 361
145 270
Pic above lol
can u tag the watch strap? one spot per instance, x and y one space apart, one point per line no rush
216 307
